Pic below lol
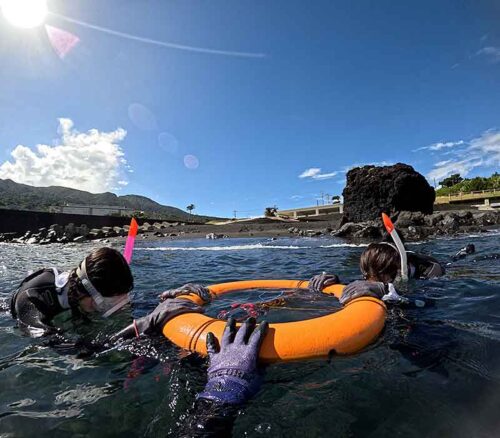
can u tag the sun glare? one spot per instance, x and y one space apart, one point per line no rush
24 13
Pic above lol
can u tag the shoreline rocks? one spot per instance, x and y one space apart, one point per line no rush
413 226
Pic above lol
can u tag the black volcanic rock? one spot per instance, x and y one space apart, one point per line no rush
372 190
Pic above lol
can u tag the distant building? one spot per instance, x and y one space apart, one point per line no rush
93 210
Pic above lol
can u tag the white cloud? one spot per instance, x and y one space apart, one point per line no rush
325 175
92 161
483 151
315 173
440 145
296 197
443 163
308 173
492 53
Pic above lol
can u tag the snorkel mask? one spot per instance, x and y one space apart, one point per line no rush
106 306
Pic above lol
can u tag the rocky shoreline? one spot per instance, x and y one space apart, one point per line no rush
413 226
78 234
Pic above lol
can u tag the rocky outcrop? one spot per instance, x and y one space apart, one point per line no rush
372 190
417 226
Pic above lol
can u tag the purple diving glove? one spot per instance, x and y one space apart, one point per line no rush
153 323
189 288
233 376
362 288
320 281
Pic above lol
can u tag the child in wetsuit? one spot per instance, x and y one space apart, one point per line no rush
380 264
100 283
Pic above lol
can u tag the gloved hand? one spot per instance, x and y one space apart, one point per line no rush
189 288
153 323
232 375
320 281
362 288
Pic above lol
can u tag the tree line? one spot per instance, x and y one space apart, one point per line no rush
455 184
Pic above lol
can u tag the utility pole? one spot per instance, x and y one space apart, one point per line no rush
234 212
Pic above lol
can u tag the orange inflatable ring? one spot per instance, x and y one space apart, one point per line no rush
346 331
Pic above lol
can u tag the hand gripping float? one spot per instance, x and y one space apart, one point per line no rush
346 331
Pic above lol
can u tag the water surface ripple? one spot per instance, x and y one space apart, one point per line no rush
434 372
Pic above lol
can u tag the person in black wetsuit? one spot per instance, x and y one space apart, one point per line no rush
101 283
383 257
420 266
380 264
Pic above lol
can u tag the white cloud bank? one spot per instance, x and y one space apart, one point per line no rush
92 161
483 152
315 173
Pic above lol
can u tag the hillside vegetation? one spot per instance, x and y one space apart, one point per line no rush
455 184
21 196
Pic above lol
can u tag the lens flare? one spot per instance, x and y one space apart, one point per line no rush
191 162
24 13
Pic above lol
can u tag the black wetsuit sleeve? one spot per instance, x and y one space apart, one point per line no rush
35 319
209 419
30 317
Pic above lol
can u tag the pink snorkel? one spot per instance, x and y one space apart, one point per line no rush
389 226
129 244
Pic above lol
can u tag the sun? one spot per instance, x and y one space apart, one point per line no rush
24 13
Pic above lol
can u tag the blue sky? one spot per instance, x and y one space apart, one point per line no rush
320 85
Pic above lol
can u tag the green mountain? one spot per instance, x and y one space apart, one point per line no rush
22 196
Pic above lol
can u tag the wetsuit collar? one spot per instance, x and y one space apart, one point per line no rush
62 287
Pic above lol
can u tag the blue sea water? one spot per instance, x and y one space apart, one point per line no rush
435 371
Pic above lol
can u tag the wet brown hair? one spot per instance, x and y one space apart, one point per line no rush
380 262
108 271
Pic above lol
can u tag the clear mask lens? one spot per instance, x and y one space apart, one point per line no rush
104 305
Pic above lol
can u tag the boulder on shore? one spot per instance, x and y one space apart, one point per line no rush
372 190
215 236
415 226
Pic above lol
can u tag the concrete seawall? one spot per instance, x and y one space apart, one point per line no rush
19 221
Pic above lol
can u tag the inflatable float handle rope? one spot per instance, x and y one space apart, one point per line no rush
391 229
